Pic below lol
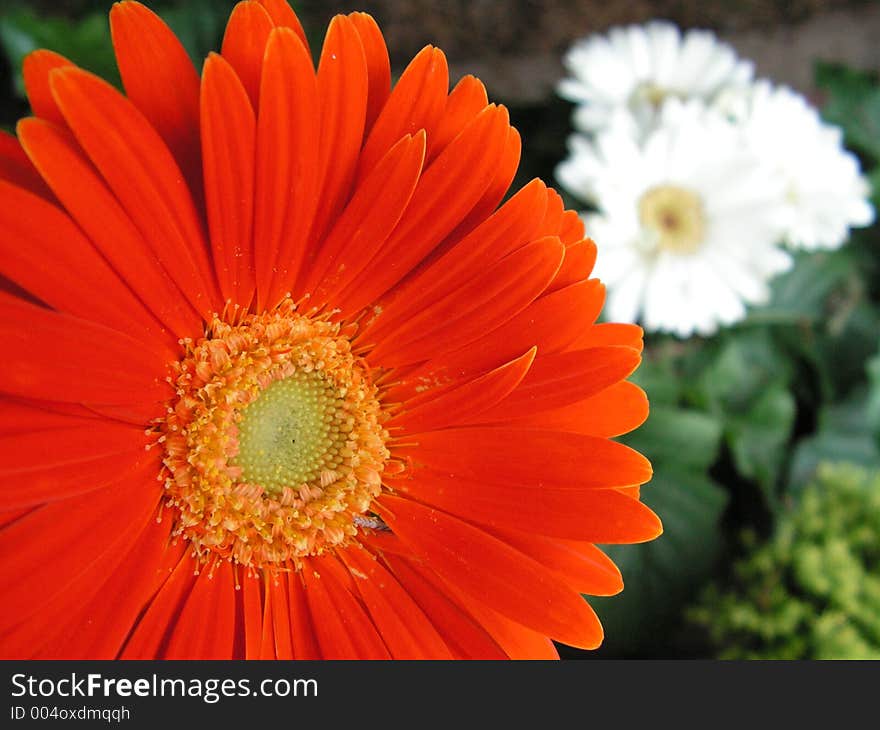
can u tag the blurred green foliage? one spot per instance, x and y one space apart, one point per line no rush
80 31
85 41
813 590
853 104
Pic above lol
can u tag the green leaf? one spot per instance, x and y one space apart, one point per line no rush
872 409
800 295
874 181
747 364
848 343
199 25
758 438
686 439
746 387
681 444
86 42
661 576
844 434
657 377
853 104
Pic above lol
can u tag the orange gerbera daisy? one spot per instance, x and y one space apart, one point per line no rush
281 378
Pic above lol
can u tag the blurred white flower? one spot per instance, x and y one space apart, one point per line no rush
623 78
688 220
826 193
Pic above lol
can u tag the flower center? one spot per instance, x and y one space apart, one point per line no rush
674 215
292 433
274 445
651 94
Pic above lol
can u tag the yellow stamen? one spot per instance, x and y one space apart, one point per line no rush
675 215
652 93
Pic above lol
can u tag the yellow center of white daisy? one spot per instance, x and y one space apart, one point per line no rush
274 446
650 93
674 215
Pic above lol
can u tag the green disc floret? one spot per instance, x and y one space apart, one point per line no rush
291 433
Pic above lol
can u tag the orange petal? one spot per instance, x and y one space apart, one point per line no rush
286 185
563 378
160 79
24 416
503 635
417 102
267 639
252 609
378 66
276 590
368 219
244 44
98 629
616 410
302 632
143 175
554 215
592 515
36 69
551 459
98 213
16 168
404 627
191 636
8 517
506 230
60 409
486 301
343 628
579 260
283 16
45 633
149 636
46 466
342 96
493 573
75 532
571 229
59 357
446 192
609 333
458 628
580 564
31 452
228 145
46 253
467 402
465 102
505 171
517 641
552 323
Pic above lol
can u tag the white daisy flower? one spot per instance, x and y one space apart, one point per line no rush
632 70
688 220
825 191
